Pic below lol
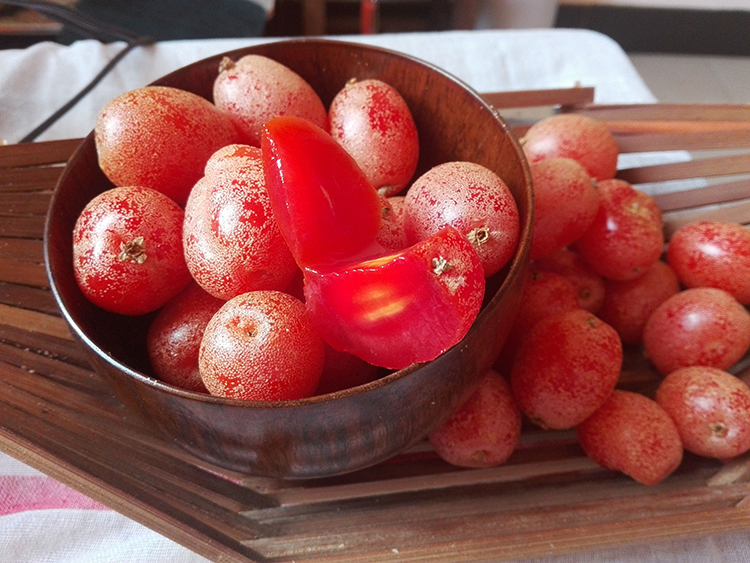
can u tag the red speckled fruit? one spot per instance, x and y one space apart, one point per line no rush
261 346
632 434
373 123
544 294
565 203
174 337
588 284
711 409
629 304
232 241
698 326
566 368
127 250
255 89
160 138
391 235
626 237
713 254
485 430
472 199
573 136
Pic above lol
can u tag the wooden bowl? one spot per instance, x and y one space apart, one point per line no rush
343 431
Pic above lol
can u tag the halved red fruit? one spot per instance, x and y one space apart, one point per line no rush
326 209
402 308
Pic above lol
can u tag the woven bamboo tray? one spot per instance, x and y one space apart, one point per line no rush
58 416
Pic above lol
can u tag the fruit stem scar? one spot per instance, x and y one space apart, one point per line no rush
718 429
440 265
226 64
479 236
134 251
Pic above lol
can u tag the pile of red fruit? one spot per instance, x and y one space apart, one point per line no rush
286 250
600 280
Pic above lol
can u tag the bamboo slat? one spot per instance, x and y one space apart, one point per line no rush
58 416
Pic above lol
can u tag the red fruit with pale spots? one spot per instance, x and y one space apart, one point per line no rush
160 138
581 138
626 238
326 209
231 240
174 337
127 250
711 409
472 199
255 89
697 326
713 254
544 294
565 369
374 124
392 235
588 284
402 308
485 430
565 203
261 346
629 304
632 434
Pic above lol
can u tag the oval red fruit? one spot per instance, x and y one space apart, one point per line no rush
713 254
565 369
632 434
255 89
698 326
261 346
127 250
711 409
485 430
160 138
581 138
374 124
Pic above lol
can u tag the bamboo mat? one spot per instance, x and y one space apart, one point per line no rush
59 417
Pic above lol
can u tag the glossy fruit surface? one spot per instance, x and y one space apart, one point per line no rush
632 434
231 240
127 250
160 137
697 326
626 237
326 209
565 203
401 308
711 409
261 346
470 198
374 124
485 430
713 254
581 138
565 369
255 89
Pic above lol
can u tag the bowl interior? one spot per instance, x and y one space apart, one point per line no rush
343 431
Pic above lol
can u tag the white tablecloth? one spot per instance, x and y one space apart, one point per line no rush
44 521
